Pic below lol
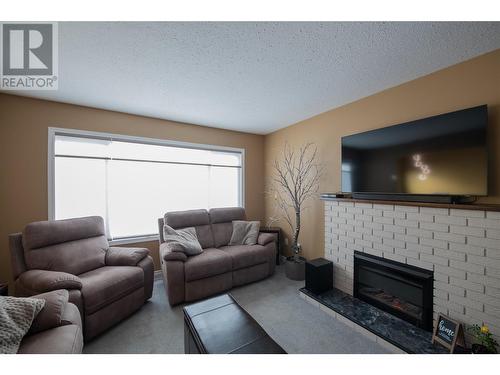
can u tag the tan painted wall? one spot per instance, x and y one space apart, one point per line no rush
23 154
468 84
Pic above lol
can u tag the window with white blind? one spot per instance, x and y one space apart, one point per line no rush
131 181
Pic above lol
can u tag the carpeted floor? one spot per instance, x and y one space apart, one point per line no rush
295 324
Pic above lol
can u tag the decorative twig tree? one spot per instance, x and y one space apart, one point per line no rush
295 180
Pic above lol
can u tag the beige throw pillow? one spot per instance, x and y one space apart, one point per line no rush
244 232
16 316
183 240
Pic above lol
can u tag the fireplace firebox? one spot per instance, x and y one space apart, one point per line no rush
400 289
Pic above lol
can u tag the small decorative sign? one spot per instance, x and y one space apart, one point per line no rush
448 332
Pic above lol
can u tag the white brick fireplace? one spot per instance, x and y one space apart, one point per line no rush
461 247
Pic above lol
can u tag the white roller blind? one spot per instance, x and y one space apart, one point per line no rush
132 184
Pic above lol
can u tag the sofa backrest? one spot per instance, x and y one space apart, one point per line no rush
222 223
74 246
198 219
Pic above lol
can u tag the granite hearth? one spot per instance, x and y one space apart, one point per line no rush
380 324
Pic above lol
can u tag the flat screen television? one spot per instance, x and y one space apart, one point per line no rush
444 155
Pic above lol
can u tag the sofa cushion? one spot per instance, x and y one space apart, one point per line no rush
209 263
222 233
188 218
226 214
44 233
182 240
105 285
74 245
74 257
198 219
205 236
244 232
16 317
222 223
246 255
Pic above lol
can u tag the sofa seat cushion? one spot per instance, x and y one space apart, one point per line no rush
106 285
246 255
209 263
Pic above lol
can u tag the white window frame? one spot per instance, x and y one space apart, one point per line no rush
53 131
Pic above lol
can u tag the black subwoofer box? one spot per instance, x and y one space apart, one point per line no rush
319 275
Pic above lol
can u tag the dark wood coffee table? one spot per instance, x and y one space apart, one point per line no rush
219 325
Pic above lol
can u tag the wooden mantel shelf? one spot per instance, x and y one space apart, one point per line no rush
468 206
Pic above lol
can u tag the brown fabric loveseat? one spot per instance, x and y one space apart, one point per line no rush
219 267
107 284
57 329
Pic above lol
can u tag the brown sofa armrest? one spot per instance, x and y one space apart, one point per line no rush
168 255
40 281
51 315
125 256
265 238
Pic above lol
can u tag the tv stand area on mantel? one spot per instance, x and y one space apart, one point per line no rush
462 206
425 198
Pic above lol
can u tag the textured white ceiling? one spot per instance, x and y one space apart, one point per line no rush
251 77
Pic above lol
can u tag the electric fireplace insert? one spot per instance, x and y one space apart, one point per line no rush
400 289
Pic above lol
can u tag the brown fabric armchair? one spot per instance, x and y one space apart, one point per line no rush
57 329
106 283
220 267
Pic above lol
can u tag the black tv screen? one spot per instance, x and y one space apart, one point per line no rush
445 154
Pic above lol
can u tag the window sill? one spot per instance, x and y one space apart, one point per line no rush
132 240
